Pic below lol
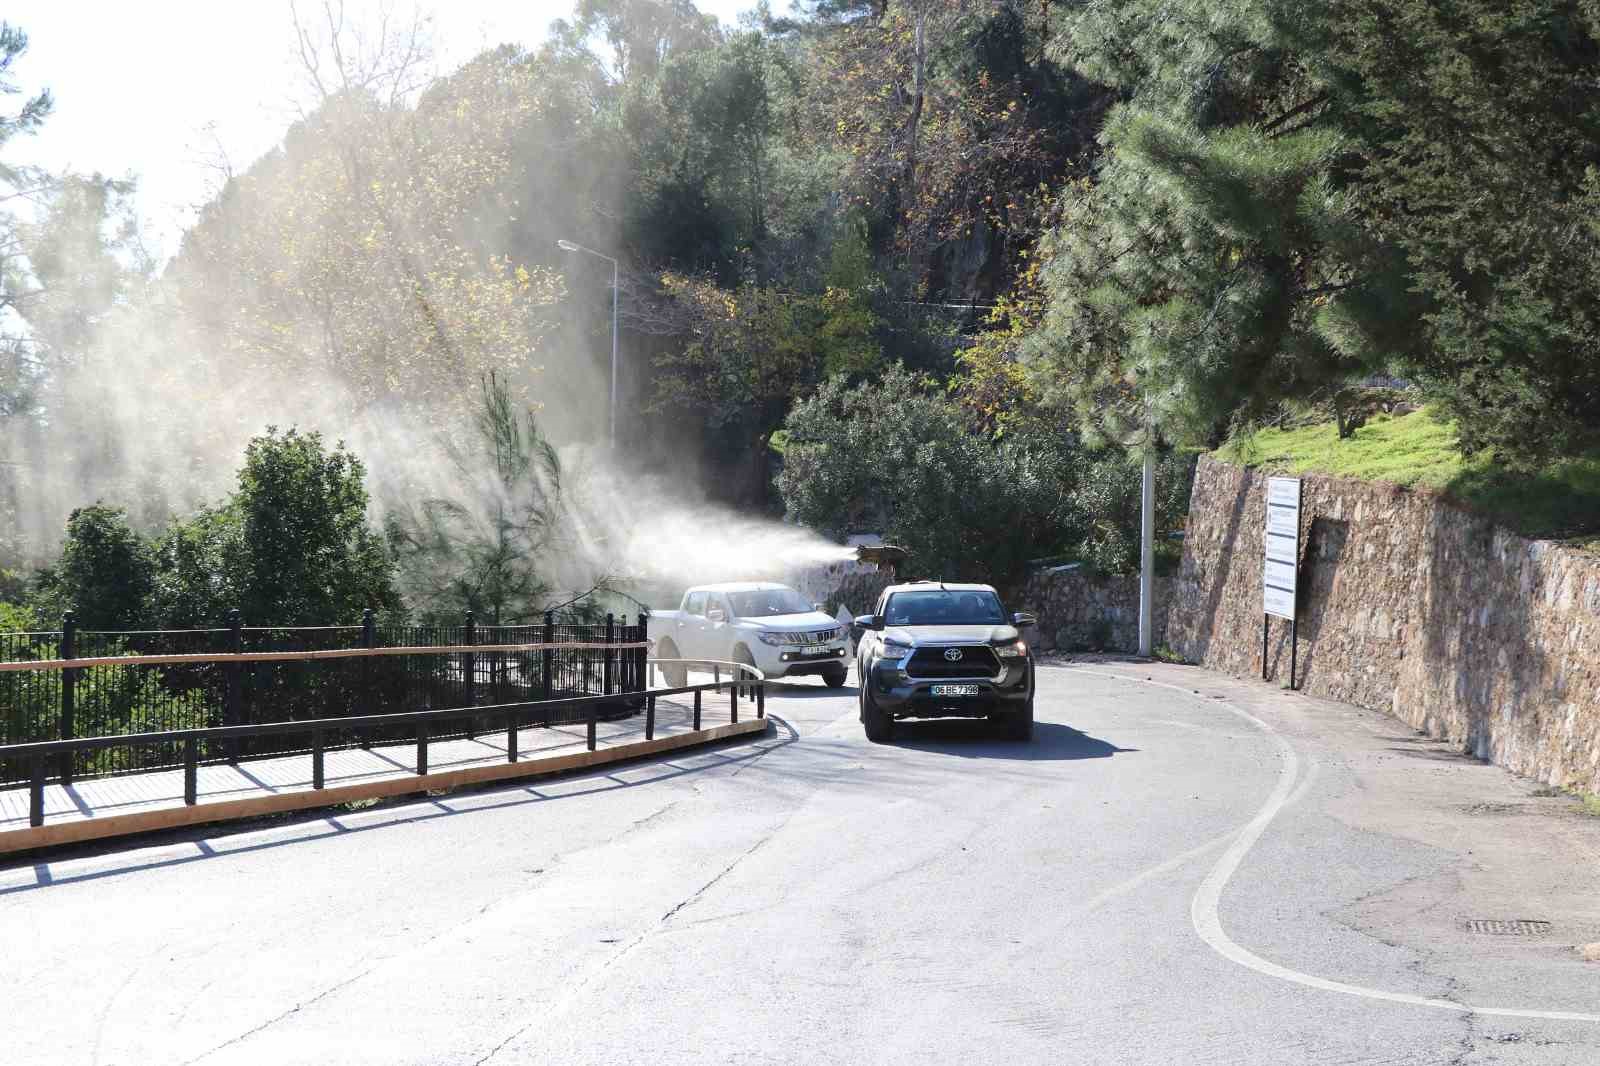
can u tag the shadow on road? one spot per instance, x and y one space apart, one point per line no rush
782 691
976 739
1439 755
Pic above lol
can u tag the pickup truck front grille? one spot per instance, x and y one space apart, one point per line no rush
821 636
977 660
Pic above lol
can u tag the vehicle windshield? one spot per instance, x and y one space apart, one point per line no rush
765 602
944 607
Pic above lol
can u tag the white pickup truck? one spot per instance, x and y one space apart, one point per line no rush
768 626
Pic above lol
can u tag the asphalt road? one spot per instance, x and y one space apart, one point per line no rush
1228 875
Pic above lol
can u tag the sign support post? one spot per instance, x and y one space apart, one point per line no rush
1280 575
1294 648
1266 624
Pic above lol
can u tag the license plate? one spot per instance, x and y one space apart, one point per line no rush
814 649
953 690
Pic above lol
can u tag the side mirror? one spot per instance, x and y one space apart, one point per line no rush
868 621
1022 619
717 616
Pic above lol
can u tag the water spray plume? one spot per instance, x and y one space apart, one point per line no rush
655 530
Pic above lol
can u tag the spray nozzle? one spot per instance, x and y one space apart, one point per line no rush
884 556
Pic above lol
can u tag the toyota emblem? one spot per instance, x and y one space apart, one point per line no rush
952 654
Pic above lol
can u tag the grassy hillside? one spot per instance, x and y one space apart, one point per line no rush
1561 502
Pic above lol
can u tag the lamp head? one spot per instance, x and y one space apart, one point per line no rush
567 246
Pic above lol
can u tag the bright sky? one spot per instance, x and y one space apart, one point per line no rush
137 84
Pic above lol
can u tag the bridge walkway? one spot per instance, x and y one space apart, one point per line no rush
138 802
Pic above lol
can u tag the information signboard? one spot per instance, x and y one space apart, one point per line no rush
1283 546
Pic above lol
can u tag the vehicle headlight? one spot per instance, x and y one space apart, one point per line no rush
774 639
893 649
1014 650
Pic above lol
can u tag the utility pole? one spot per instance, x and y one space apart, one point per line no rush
615 278
1147 551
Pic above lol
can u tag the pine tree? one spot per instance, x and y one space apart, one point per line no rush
1293 195
1488 119
1216 264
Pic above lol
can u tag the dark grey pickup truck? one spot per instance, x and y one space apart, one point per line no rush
933 650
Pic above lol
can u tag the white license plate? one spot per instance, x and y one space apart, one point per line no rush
953 690
814 649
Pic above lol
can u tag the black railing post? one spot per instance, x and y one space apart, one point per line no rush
649 717
318 764
548 655
191 770
611 638
511 736
469 671
594 712
69 690
369 639
761 699
640 655
422 748
733 699
36 792
697 710
233 701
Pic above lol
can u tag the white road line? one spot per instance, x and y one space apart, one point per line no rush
1208 923
1153 872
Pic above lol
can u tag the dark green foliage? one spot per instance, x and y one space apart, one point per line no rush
1106 492
898 458
895 457
19 370
197 571
291 546
1484 117
1292 196
1217 265
305 549
106 572
704 167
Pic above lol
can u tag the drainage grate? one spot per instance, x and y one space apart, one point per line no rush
1507 927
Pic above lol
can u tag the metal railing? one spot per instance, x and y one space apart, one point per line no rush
76 684
40 756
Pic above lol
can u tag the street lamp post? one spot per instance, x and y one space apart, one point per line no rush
570 246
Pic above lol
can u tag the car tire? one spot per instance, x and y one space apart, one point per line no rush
879 725
676 674
836 677
1019 724
742 656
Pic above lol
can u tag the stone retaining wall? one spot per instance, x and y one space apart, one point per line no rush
1409 605
1081 612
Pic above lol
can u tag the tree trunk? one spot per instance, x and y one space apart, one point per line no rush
919 71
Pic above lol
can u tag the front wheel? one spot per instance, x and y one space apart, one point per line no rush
1018 725
835 676
742 656
675 674
879 725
